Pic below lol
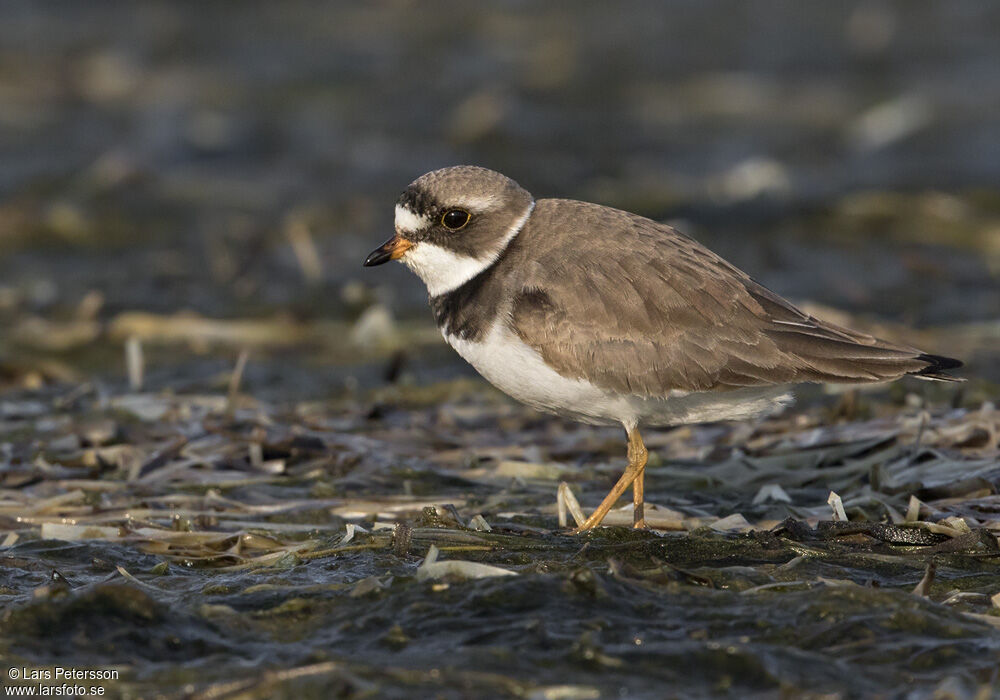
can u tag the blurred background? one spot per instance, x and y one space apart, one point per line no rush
207 177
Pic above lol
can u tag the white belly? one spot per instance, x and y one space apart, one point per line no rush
519 371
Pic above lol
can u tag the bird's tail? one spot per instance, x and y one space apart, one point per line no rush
937 365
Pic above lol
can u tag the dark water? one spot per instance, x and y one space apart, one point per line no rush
564 620
161 156
213 577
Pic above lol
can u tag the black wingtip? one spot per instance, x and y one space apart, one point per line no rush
936 366
937 363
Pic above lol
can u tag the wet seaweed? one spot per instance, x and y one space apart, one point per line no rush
351 549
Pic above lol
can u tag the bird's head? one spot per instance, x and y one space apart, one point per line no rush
452 224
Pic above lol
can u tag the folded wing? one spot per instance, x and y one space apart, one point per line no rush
651 311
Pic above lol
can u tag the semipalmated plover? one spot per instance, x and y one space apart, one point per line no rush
608 317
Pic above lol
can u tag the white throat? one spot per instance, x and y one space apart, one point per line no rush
443 270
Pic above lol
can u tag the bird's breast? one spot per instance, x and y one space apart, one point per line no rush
519 371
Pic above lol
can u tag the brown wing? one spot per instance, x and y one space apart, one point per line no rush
648 310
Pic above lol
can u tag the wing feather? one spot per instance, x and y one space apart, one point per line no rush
649 311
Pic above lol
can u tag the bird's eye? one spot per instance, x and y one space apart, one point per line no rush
454 219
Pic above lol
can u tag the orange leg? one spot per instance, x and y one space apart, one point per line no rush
638 504
633 474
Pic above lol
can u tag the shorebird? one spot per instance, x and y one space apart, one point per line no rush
608 317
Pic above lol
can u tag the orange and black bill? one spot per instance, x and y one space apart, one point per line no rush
392 249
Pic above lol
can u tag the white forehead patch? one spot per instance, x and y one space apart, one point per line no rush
443 270
408 222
